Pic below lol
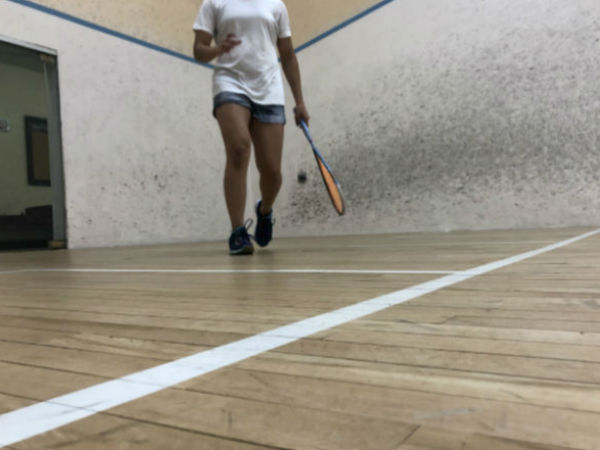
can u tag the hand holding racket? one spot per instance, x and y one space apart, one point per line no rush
301 114
331 183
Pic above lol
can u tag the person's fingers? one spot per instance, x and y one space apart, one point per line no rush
233 39
228 44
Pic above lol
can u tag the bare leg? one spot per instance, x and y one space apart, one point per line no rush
234 121
268 148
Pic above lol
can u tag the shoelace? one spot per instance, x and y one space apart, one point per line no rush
247 224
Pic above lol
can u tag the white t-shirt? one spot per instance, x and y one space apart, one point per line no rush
251 68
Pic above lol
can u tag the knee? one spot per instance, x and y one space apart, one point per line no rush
271 173
238 154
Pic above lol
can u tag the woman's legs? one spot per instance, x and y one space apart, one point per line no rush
268 146
234 121
240 131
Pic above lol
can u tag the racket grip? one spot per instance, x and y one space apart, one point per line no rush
306 130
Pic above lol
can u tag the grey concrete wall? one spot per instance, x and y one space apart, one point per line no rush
463 114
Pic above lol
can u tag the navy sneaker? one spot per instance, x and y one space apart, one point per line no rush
264 227
239 241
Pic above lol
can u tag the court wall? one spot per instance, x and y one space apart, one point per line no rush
142 157
453 115
168 24
434 116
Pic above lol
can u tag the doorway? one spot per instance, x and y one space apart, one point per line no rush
32 205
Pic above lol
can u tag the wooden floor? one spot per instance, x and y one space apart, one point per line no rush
506 359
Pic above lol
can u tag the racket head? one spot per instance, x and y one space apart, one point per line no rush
331 184
333 187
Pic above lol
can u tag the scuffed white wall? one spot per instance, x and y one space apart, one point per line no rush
467 114
463 114
142 154
22 93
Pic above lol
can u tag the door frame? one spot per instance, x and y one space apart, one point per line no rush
49 58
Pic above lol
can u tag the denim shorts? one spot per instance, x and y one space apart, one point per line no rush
262 113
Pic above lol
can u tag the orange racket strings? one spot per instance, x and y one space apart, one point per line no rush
334 192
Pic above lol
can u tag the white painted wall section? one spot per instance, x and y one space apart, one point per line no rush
143 156
439 116
435 116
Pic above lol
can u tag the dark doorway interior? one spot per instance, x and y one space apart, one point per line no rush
31 186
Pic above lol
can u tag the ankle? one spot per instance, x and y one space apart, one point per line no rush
263 211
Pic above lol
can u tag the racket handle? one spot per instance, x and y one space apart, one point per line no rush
304 128
306 131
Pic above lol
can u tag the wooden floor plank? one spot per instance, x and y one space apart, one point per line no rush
508 347
106 432
97 343
500 419
110 365
542 368
267 423
574 337
532 324
10 402
158 334
39 383
284 425
554 302
506 388
416 312
430 437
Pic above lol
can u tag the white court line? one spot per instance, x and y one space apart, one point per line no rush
233 271
41 417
